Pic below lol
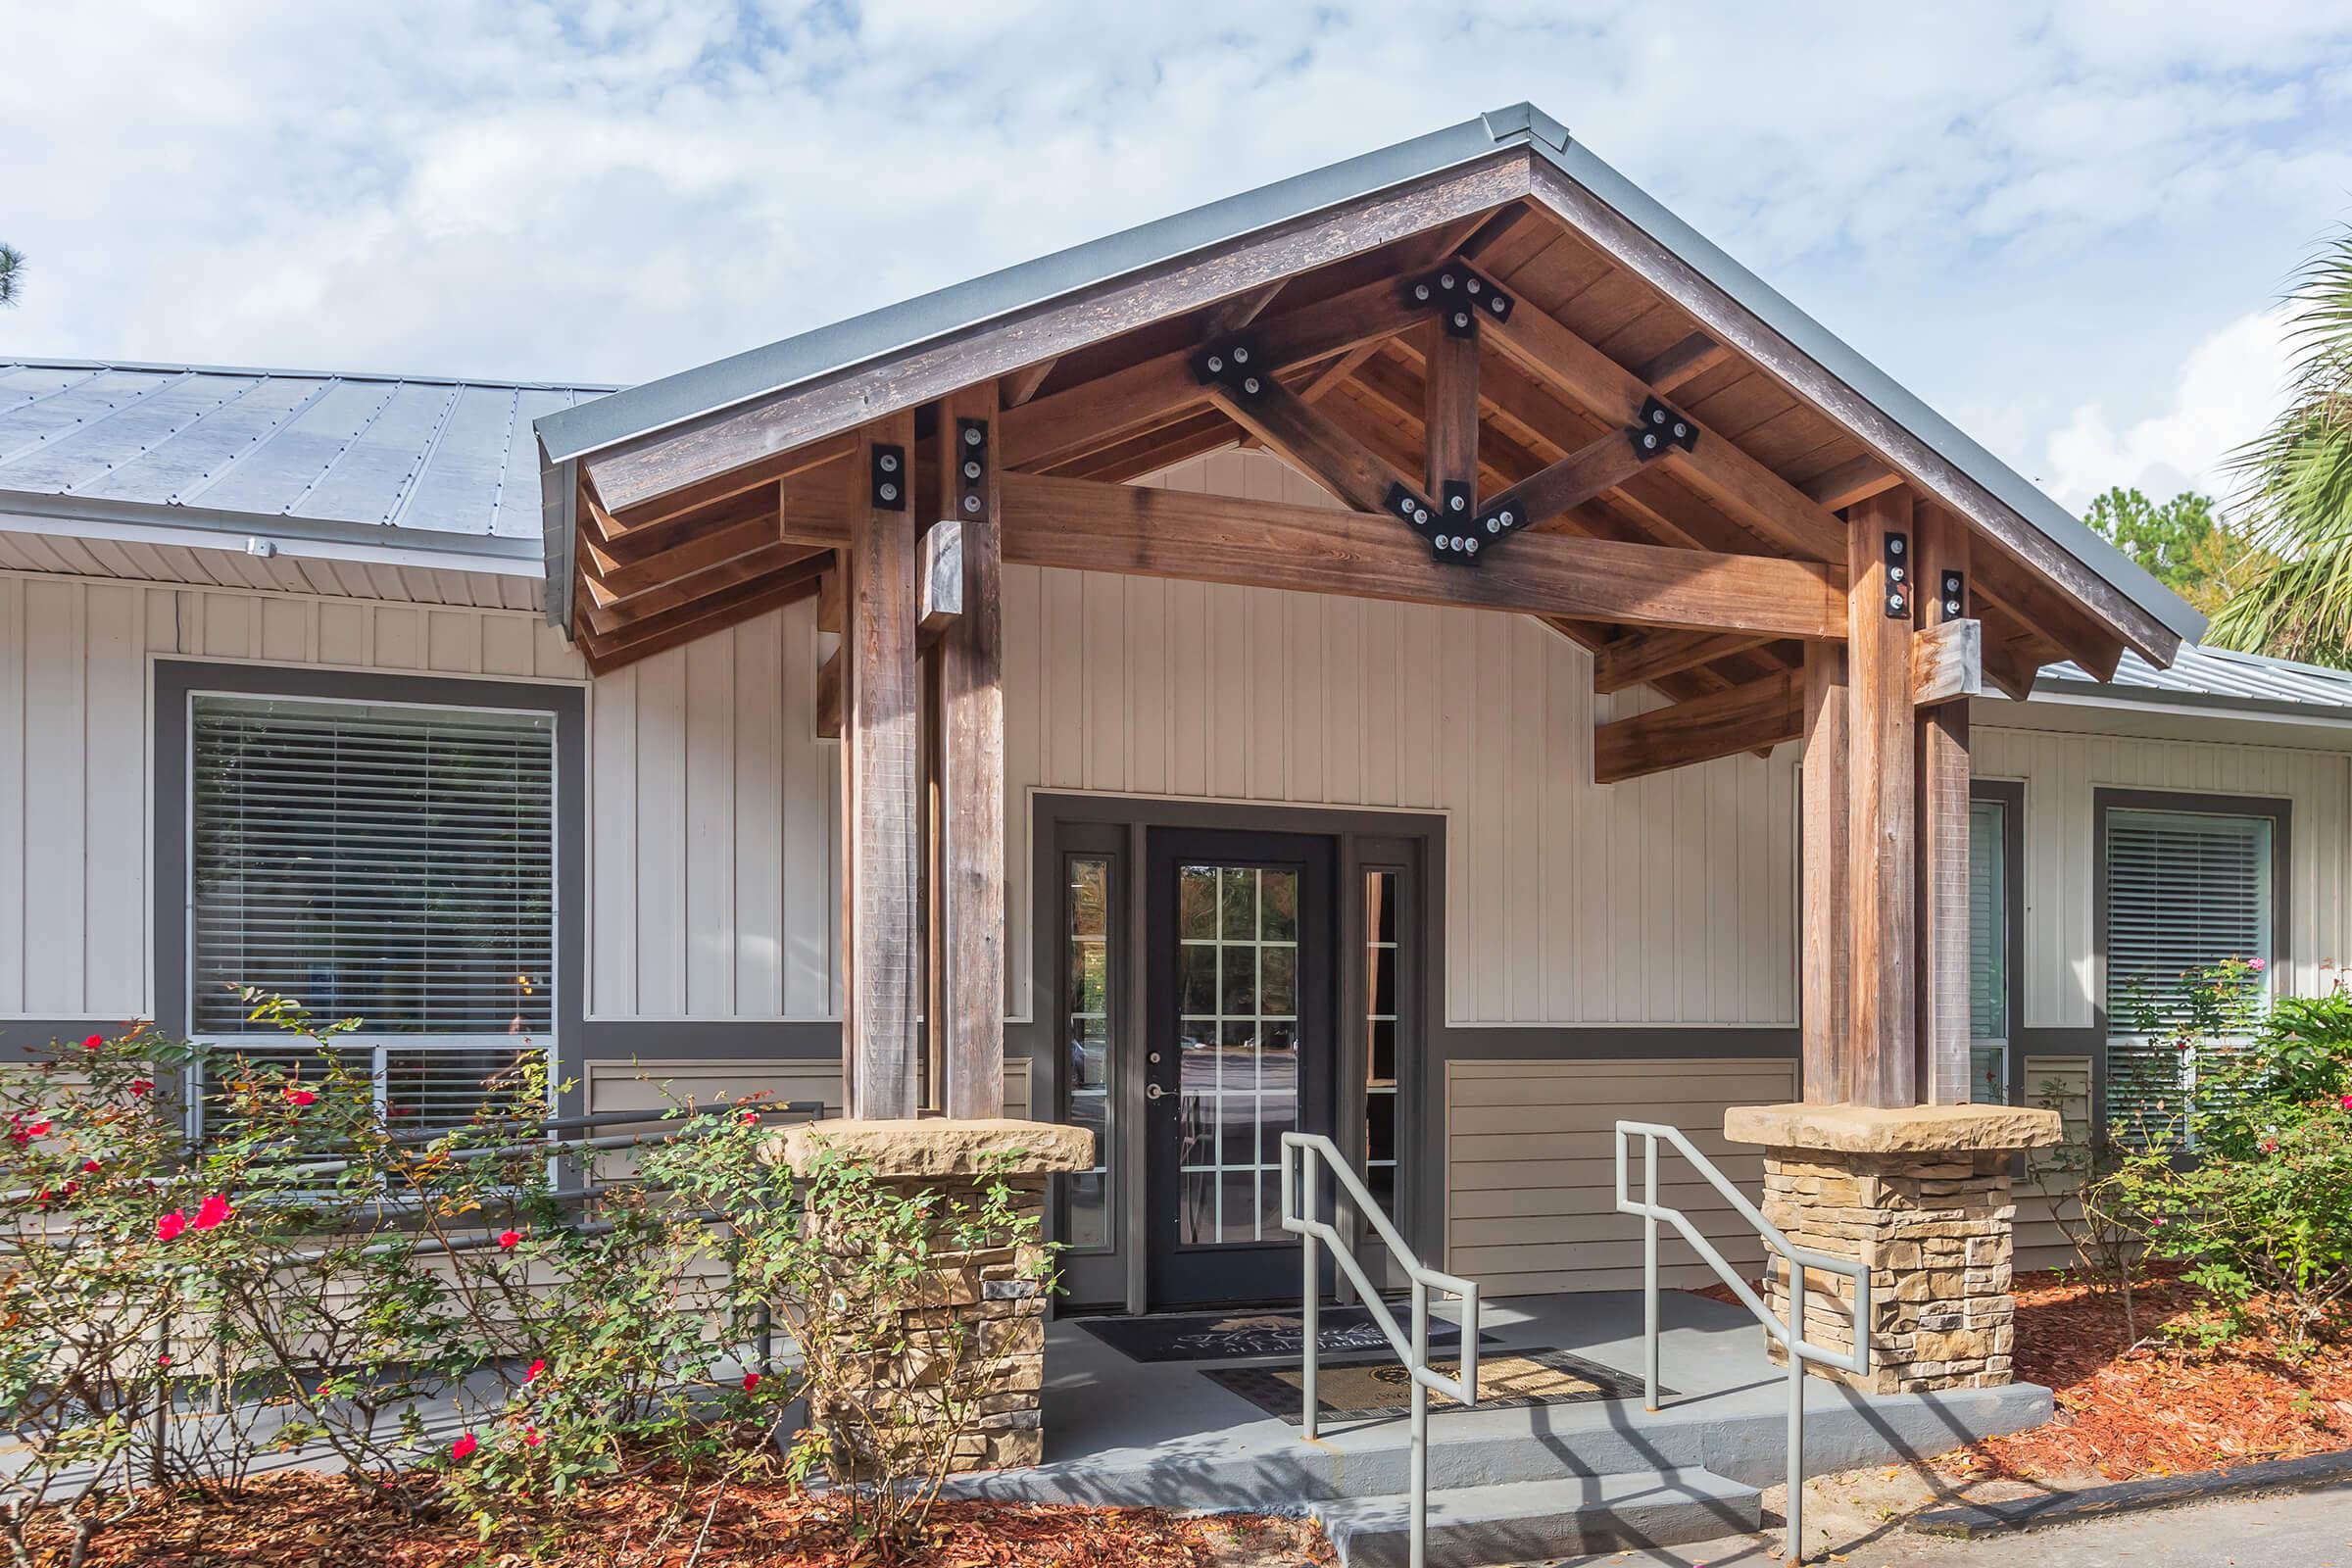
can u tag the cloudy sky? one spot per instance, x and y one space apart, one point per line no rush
2064 225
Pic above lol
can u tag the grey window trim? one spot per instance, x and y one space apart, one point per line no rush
2279 811
174 683
2011 794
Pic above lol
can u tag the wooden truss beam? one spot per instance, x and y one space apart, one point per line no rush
1590 471
1170 533
1754 717
1644 657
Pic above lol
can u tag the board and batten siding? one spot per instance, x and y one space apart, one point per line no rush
75 756
1530 1168
2063 771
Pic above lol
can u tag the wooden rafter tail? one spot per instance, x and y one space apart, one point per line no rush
1757 715
690 498
1687 361
688 624
1853 481
695 587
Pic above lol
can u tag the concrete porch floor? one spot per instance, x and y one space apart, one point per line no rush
1118 1431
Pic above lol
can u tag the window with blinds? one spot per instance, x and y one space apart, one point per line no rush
393 864
2185 891
1988 951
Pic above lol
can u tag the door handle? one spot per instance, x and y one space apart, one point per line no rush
1154 1091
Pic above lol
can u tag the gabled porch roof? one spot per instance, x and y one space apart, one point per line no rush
1091 347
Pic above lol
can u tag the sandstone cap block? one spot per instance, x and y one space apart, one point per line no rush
1902 1130
940 1145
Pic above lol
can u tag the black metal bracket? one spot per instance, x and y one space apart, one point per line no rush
1461 296
1955 595
1897 555
1234 364
971 467
888 479
1658 429
1455 543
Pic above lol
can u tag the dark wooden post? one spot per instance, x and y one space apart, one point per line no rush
1943 773
1882 1063
1824 967
880 786
971 696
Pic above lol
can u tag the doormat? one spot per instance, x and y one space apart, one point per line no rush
1232 1336
1506 1380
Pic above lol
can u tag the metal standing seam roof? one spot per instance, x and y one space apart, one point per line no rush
422 461
569 434
2217 678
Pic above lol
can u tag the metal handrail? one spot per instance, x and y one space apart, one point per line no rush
1798 1259
1412 1350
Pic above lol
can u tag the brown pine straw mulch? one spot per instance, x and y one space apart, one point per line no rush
2160 1408
313 1521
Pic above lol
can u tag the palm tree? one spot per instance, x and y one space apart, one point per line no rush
12 274
2296 481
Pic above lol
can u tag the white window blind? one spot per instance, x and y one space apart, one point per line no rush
390 864
1988 951
2184 892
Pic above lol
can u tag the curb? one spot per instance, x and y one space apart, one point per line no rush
1975 1521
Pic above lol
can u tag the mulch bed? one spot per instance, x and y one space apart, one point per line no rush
2157 1409
310 1521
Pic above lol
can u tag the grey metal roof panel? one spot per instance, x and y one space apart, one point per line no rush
233 449
759 372
2218 678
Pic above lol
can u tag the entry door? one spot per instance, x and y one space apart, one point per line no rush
1240 1049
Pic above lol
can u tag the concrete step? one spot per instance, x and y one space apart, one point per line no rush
1528 1521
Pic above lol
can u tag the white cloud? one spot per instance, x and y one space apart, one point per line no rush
2226 391
2021 212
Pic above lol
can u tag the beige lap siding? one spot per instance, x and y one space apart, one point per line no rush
2062 1084
607 1086
1530 1168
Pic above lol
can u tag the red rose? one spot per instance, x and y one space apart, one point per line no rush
93 1042
530 1437
751 1119
167 1228
509 1239
536 1367
89 1167
141 1086
301 1097
210 1212
751 1381
462 1449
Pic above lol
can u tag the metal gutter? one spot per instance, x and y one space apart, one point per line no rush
200 528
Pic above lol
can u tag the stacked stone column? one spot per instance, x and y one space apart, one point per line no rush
1921 1197
973 1326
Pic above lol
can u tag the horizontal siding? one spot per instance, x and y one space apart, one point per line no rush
2063 1083
607 1085
2062 773
1530 1168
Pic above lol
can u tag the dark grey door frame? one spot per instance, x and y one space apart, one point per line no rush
1413 840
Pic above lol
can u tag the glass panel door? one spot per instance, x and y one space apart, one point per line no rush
1242 1035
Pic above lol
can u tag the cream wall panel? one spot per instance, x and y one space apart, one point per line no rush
76 756
1567 902
2061 773
1530 1168
712 824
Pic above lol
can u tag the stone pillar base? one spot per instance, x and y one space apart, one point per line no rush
1922 1197
986 1301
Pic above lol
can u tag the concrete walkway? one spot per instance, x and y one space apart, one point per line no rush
1119 1431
